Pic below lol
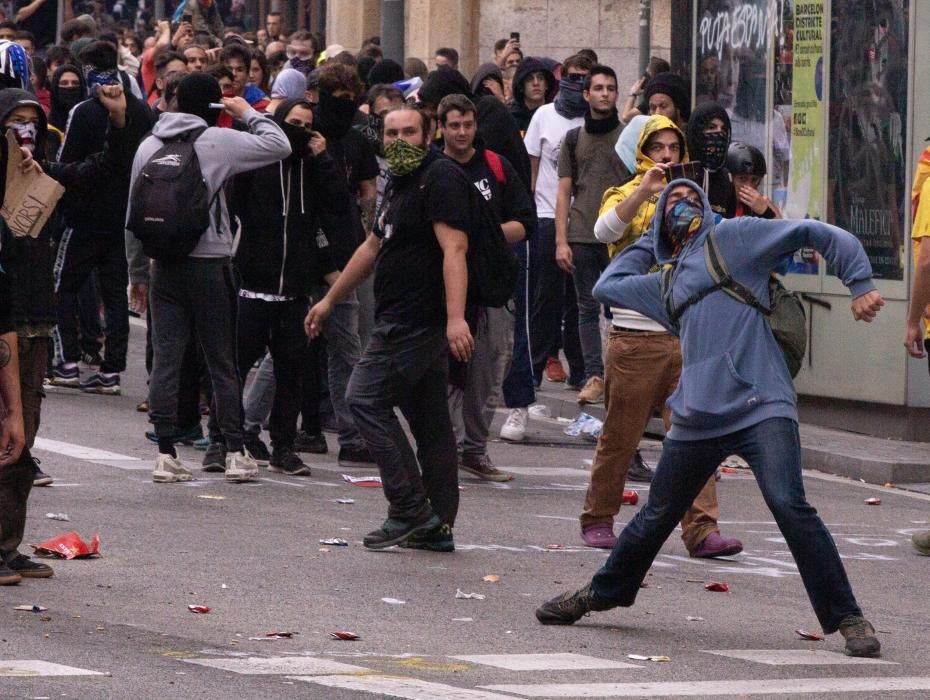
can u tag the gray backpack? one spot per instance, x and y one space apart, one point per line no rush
786 316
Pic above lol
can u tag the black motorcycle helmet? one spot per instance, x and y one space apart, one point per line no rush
743 159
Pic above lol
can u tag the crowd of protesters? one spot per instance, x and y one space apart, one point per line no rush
315 180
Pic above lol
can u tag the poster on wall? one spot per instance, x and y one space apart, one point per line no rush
867 192
805 192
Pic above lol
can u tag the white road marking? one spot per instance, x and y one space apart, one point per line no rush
546 471
138 322
545 662
783 686
408 688
42 669
558 517
259 666
795 657
89 454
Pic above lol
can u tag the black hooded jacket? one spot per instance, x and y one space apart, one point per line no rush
30 266
496 126
281 247
521 113
86 135
716 183
58 116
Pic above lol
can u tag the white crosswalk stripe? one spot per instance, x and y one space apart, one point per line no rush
40 669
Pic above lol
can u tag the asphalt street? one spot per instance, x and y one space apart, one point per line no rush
119 626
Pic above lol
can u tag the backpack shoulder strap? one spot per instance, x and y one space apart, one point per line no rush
494 163
571 143
718 271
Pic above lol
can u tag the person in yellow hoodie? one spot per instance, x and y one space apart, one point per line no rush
916 339
643 361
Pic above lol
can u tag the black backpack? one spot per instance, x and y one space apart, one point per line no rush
493 267
786 315
170 204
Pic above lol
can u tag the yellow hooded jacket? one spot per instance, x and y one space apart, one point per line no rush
643 218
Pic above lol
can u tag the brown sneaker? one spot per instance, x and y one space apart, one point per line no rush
483 469
860 637
593 391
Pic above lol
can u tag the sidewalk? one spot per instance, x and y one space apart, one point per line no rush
870 459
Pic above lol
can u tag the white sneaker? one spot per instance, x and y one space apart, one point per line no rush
514 428
240 467
170 469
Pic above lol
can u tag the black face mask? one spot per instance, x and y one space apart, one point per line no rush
714 150
69 97
336 114
299 139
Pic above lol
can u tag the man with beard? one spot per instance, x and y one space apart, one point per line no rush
419 319
339 88
588 166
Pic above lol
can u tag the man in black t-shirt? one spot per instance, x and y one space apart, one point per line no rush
472 401
417 252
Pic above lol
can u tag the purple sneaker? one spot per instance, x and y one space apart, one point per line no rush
600 535
716 546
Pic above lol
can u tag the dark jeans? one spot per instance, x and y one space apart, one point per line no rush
195 295
519 387
91 330
407 367
553 308
279 326
589 259
773 450
189 382
79 253
314 355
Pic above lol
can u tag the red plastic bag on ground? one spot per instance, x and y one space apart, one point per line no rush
69 546
717 587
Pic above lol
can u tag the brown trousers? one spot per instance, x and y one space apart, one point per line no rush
641 372
16 479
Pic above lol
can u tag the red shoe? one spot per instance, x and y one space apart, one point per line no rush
714 545
554 371
600 535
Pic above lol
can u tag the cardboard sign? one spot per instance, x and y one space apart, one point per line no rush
30 198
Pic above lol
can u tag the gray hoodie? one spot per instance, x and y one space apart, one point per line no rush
222 153
733 372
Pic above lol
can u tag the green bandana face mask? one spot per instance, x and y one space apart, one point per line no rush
403 158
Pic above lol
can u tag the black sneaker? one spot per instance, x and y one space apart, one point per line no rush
438 540
215 458
66 375
569 607
315 444
8 577
258 450
352 457
101 383
639 470
285 461
39 477
27 568
396 531
860 637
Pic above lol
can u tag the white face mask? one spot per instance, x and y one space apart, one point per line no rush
25 134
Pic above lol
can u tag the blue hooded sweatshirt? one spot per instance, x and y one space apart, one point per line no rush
733 371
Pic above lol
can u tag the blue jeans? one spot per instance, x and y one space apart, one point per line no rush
773 450
590 259
519 387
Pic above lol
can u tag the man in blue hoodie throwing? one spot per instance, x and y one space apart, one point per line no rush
735 396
